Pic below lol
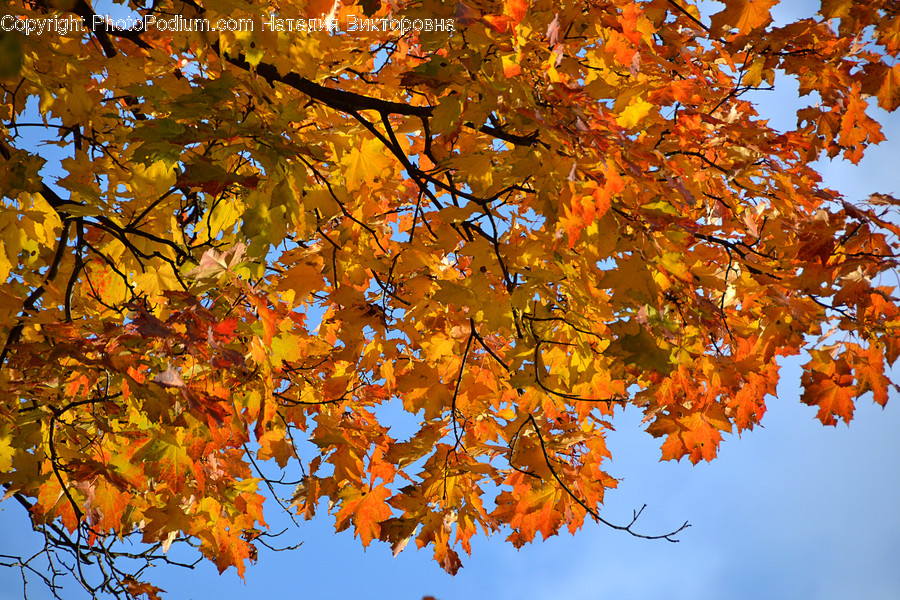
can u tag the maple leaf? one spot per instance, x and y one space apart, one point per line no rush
365 163
6 453
213 263
835 9
449 560
744 15
398 533
884 82
148 325
211 178
366 510
136 588
634 113
831 389
868 369
529 217
701 439
226 547
513 13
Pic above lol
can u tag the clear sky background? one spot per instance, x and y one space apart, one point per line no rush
790 510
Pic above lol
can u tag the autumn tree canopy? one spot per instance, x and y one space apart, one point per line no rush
237 236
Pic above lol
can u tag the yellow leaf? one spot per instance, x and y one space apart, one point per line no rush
634 113
108 285
365 164
6 453
154 179
6 265
446 114
157 281
222 216
10 242
477 164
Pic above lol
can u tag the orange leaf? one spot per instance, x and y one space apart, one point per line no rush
366 510
889 90
832 391
868 368
510 67
744 15
701 438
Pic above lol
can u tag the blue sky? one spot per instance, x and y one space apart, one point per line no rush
790 510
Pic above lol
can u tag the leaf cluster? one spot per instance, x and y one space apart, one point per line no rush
261 244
